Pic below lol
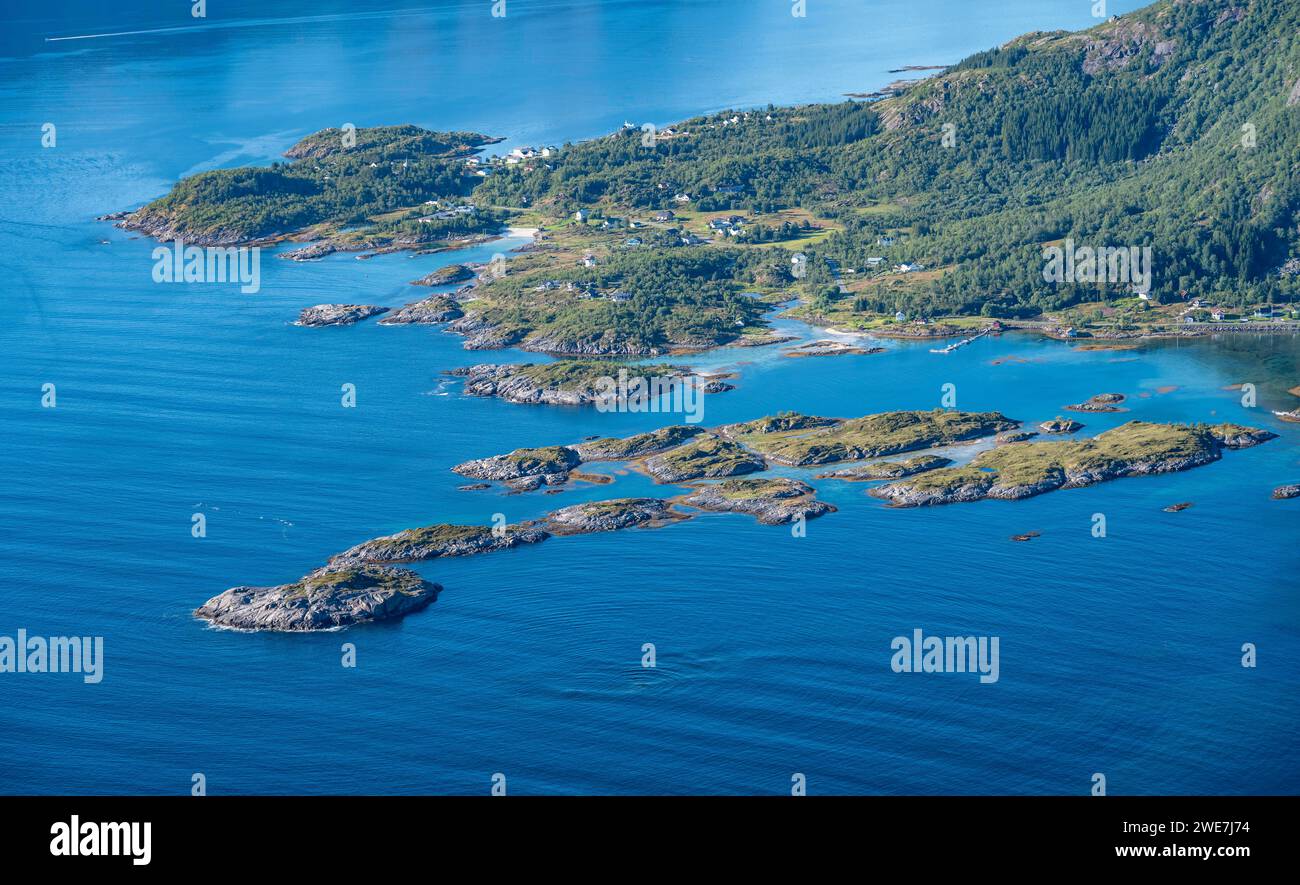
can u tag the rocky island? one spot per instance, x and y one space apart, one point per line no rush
608 516
831 348
431 310
709 456
638 446
1059 426
801 440
1102 402
773 501
359 584
326 599
446 276
878 470
1021 470
338 314
553 463
683 453
573 382
436 541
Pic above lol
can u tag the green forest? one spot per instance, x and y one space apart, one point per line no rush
1175 127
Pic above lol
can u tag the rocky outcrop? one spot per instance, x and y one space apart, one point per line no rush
521 463
1013 472
163 226
536 481
783 422
313 252
970 487
482 334
639 446
868 437
1102 402
772 501
1236 436
887 469
1117 46
608 516
589 382
710 457
1015 436
515 383
435 309
1059 425
437 541
830 348
446 276
338 314
326 599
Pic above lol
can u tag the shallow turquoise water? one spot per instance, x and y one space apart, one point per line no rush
1119 655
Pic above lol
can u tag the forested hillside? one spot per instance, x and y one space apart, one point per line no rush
1175 127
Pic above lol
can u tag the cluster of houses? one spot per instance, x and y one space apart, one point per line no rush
519 154
1197 311
482 167
445 213
731 226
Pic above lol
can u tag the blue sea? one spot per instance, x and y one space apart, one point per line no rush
1119 655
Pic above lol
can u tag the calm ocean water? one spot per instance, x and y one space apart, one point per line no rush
1118 655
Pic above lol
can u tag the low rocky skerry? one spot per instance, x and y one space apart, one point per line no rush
326 599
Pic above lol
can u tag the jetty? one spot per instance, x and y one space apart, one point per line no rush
963 342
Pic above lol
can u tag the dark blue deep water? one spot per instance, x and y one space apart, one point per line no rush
1119 655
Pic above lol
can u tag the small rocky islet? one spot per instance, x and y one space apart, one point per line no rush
326 599
1102 402
575 382
446 276
774 501
429 311
437 541
338 314
1059 426
879 470
361 584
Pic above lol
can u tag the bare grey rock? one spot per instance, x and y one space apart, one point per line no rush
326 599
338 314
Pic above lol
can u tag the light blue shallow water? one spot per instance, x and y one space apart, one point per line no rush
1119 655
